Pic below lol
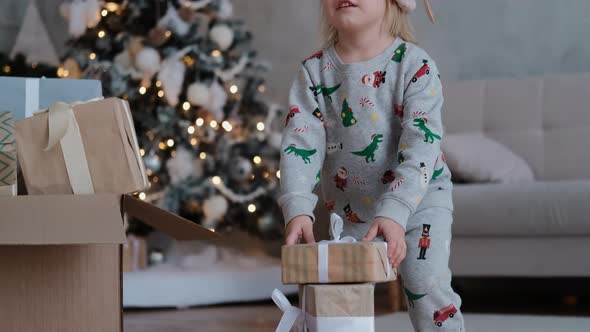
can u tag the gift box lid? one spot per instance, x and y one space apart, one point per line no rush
85 219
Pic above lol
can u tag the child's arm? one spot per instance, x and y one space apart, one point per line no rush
419 143
303 150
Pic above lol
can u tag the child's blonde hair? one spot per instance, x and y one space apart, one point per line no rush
396 21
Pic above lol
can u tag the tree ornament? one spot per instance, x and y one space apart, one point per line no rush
214 209
198 94
148 61
180 167
241 169
222 35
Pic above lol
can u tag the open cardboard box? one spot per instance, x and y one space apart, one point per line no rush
60 259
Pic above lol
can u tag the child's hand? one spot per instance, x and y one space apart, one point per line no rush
300 226
394 235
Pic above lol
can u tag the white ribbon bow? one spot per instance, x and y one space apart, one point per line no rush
292 316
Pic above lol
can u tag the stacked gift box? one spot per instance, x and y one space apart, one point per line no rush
61 252
337 280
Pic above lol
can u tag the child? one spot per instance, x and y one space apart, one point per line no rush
365 117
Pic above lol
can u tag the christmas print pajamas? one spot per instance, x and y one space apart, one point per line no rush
373 133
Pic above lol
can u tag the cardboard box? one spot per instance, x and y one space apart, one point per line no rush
134 253
7 155
338 308
25 95
60 259
346 263
102 156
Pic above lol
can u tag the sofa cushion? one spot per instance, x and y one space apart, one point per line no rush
474 157
544 120
549 208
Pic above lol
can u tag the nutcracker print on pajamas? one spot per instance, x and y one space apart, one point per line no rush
424 242
374 130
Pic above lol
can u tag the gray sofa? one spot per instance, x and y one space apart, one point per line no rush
533 229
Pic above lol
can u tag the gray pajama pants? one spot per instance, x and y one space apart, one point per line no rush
425 273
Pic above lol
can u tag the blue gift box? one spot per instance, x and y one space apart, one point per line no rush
23 95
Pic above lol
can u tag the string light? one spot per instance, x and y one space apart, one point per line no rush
266 175
252 208
101 34
257 160
279 174
173 153
34 65
260 126
216 180
112 6
168 33
191 130
161 93
194 141
186 106
104 12
188 60
7 69
202 155
170 142
227 126
200 122
148 172
162 145
216 53
142 196
159 84
261 88
213 124
92 56
61 72
233 89
142 152
142 90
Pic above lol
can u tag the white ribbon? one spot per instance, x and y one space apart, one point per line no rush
336 228
292 316
63 128
295 319
340 324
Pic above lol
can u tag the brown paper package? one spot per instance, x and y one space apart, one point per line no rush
109 141
355 300
348 263
134 254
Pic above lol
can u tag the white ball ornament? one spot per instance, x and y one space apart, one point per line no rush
148 61
198 94
222 35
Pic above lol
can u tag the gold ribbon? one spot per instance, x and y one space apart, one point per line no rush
63 128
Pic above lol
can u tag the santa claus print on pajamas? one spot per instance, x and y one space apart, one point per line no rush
375 80
341 178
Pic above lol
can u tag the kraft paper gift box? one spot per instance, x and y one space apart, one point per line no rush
25 95
134 253
336 261
329 308
61 259
81 149
7 155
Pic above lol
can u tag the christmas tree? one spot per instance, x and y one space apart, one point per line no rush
210 143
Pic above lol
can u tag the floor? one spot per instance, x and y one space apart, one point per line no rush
505 297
